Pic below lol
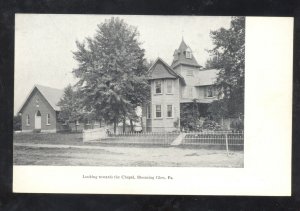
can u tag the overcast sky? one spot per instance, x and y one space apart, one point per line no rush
44 44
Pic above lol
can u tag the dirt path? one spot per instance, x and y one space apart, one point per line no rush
51 154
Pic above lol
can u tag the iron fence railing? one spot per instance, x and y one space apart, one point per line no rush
225 139
156 138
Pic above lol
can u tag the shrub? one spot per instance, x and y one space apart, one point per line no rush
17 123
210 125
237 125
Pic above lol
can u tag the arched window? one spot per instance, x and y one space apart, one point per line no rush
38 113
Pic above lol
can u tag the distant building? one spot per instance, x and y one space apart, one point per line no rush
171 86
39 111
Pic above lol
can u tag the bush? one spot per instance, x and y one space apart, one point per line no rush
237 125
17 123
210 125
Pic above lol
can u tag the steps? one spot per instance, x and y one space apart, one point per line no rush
178 140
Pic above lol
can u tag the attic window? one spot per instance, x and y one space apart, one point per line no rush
188 53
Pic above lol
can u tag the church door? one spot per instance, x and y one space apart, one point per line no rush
38 120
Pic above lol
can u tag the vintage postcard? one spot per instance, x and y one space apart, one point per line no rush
137 104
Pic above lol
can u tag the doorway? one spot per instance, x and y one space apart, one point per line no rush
38 120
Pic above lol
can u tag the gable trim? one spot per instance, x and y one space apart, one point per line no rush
168 68
30 95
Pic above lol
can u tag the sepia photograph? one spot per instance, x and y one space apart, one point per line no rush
129 91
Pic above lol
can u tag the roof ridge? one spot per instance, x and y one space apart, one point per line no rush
48 87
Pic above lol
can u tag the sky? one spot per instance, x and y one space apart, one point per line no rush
44 44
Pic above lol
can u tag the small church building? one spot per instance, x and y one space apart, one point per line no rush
39 111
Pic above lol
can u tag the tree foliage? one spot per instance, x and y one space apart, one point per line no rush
112 71
190 114
228 56
70 106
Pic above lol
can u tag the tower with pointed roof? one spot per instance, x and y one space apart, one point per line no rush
183 56
172 85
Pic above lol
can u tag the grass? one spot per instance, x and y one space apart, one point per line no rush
49 138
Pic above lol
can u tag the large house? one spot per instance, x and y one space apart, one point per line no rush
172 85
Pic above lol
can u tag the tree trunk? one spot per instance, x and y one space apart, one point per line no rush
124 125
115 126
131 125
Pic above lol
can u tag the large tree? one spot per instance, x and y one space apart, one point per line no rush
228 56
111 71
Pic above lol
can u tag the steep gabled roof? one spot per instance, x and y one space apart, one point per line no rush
161 69
207 77
52 96
180 58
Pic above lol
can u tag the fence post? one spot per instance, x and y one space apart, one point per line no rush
226 139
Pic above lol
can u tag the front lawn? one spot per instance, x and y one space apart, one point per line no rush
49 138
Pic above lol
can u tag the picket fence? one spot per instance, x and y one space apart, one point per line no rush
222 139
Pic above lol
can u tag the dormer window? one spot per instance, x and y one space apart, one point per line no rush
188 53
